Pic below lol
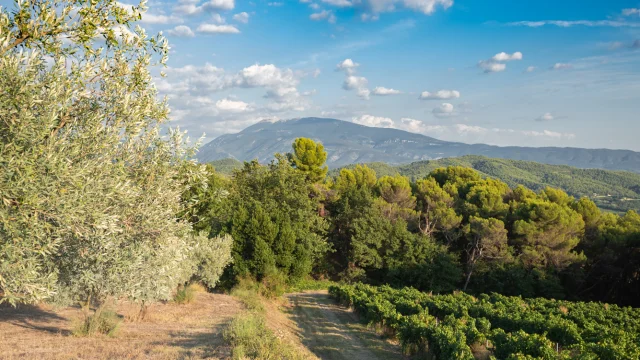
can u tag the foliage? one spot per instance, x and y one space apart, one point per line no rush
105 322
274 222
516 328
309 157
91 193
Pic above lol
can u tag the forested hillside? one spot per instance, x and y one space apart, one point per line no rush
611 190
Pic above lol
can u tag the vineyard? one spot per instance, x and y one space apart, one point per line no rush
507 327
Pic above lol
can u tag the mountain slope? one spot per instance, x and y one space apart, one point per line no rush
612 190
349 143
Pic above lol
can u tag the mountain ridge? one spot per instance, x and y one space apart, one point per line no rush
349 143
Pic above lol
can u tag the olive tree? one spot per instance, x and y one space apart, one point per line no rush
90 189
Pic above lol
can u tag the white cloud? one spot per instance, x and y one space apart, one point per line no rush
191 7
148 18
445 110
561 66
530 69
242 17
232 105
348 66
497 62
338 3
324 15
566 24
358 83
181 31
218 19
276 4
440 95
465 129
316 73
374 121
382 91
545 117
217 29
503 56
426 7
630 12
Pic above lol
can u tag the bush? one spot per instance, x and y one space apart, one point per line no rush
186 294
105 322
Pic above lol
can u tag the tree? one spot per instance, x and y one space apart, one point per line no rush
487 239
91 192
437 211
359 177
546 234
309 157
274 222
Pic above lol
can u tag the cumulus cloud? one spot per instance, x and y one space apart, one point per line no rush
561 66
545 117
280 84
148 18
440 95
191 7
382 91
181 31
530 69
324 15
497 62
373 121
503 56
338 3
445 110
352 82
232 105
348 66
242 17
217 29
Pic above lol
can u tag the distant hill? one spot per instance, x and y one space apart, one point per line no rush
349 143
611 190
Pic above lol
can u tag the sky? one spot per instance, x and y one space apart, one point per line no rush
502 72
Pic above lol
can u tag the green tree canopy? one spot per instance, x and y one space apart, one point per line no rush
309 157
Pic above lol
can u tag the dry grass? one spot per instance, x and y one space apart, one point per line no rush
169 331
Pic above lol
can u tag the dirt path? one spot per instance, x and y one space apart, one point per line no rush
333 332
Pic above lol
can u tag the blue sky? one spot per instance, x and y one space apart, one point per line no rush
533 73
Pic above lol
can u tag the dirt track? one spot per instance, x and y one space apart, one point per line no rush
333 332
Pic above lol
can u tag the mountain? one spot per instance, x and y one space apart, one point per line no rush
349 143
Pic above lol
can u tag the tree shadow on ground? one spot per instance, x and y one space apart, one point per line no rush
334 332
209 344
33 317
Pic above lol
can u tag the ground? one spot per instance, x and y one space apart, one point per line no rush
310 321
334 332
169 331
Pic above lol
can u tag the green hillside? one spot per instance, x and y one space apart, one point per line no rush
226 166
611 190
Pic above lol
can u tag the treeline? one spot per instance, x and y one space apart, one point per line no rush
452 229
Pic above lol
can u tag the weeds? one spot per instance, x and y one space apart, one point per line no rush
186 294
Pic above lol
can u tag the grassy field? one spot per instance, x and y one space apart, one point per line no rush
169 331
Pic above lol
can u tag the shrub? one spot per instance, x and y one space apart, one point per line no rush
105 322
